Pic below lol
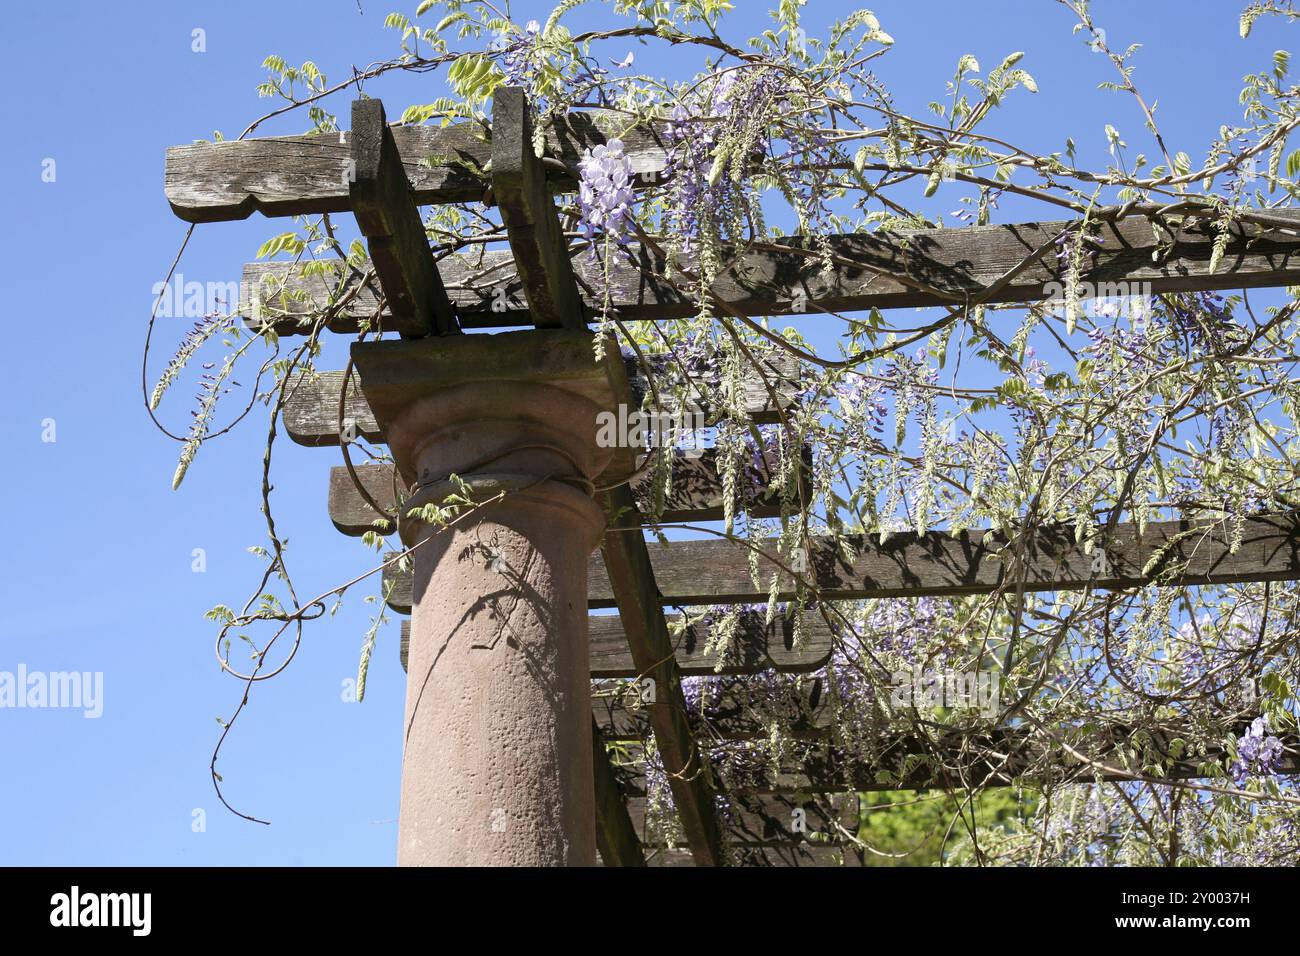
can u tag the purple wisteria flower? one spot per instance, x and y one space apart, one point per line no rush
516 63
1036 370
697 128
1086 245
1258 752
862 403
605 190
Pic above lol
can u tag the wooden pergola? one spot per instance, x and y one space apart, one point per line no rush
382 174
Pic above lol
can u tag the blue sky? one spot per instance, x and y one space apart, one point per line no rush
98 572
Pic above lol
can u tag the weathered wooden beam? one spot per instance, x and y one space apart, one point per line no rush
524 198
616 834
903 760
756 648
299 175
730 708
311 411
775 820
1003 757
795 855
350 512
696 494
870 270
399 248
1175 553
646 629
959 758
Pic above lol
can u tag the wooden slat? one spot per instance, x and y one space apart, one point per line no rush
776 820
798 855
523 196
349 511
311 411
1002 757
697 492
630 573
959 758
297 175
871 270
716 571
616 834
729 708
756 648
399 248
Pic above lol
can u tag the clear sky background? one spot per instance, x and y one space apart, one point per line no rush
97 572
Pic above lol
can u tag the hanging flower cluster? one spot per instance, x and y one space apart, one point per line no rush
1258 752
605 194
518 53
714 134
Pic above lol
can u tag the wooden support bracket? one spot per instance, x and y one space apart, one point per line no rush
536 238
390 221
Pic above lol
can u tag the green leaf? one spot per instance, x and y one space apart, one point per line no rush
447 20
1293 165
285 241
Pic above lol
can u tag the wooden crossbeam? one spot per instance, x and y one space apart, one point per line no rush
795 855
632 580
1004 757
301 175
871 270
959 758
522 194
1179 553
696 493
774 820
729 711
311 410
399 248
756 648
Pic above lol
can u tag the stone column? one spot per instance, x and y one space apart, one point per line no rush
497 768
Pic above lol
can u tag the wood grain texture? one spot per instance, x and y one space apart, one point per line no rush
696 495
756 648
399 248
798 855
1177 553
311 411
1003 757
523 196
758 820
297 175
350 513
870 270
729 707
